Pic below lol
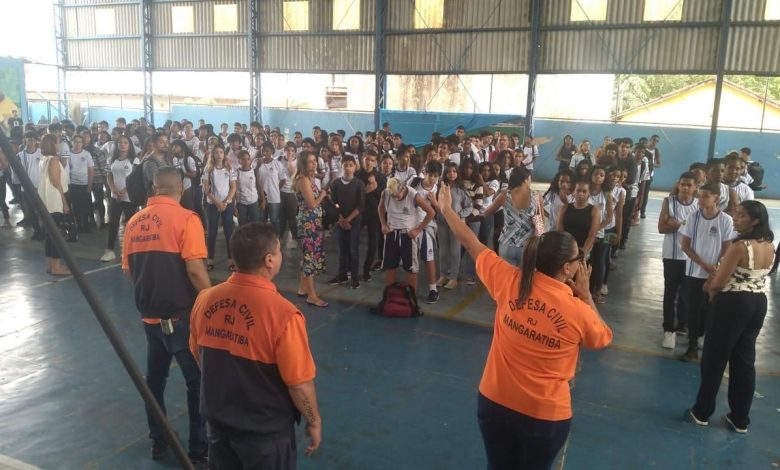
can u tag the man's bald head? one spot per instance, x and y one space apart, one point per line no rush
168 182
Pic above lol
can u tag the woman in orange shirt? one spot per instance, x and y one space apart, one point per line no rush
544 314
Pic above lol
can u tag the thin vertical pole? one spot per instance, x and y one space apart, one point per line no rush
720 67
380 78
533 61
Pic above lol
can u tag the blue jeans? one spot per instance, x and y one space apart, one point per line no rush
272 211
511 254
514 440
248 213
160 350
214 219
349 242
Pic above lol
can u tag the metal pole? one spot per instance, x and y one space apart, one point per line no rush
255 92
147 60
91 297
533 62
720 67
62 60
380 78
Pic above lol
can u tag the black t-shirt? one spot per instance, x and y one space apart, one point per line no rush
348 195
372 198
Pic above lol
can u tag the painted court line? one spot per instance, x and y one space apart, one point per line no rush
66 278
7 463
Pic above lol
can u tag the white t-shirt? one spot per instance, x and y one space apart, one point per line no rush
232 157
488 200
420 189
455 157
335 166
617 193
600 200
706 236
287 187
80 163
401 215
120 170
406 175
270 174
744 193
725 197
247 187
32 163
529 155
552 204
179 164
219 182
672 246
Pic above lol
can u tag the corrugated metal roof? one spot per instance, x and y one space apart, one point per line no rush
318 53
203 16
754 49
463 14
625 51
104 54
558 12
463 52
200 53
748 10
320 15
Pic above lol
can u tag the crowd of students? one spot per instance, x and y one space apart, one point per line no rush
310 188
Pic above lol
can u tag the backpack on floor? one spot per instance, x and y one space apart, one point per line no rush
136 189
399 300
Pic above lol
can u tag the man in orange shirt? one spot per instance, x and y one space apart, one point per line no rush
258 371
163 255
544 314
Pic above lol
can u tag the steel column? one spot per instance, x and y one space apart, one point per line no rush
147 59
723 43
62 60
255 91
534 50
380 77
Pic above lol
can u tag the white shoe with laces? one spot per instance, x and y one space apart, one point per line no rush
669 340
604 290
108 256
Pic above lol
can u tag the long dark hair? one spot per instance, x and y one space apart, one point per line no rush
458 183
130 149
555 187
518 177
547 254
761 231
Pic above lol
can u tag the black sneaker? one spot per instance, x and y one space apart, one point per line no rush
682 331
354 284
642 216
691 355
738 429
338 280
159 450
433 296
377 266
23 223
199 458
366 277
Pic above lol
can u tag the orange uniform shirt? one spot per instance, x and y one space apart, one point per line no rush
535 344
252 345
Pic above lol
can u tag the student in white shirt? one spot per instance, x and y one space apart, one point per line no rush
271 175
675 210
120 167
403 170
705 237
184 161
734 167
289 209
219 186
31 158
249 194
716 170
82 172
427 187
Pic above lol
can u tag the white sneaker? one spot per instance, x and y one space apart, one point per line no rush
669 339
108 256
604 290
701 342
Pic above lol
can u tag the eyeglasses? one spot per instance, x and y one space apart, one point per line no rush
580 256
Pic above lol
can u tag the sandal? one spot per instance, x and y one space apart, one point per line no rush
599 300
321 303
301 294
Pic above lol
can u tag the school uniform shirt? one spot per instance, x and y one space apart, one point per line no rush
600 200
632 180
287 187
270 174
219 182
232 157
246 192
644 169
617 193
334 166
577 158
455 157
401 215
421 214
193 143
80 163
535 346
672 245
251 344
706 236
724 198
744 193
530 154
488 200
552 204
31 163
120 170
406 175
180 165
278 153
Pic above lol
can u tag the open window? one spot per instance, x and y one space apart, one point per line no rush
428 14
105 21
295 15
588 10
226 18
663 10
346 15
182 19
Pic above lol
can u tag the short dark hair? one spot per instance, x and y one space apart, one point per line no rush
688 175
712 188
251 243
268 145
518 177
348 158
745 150
433 167
55 127
234 137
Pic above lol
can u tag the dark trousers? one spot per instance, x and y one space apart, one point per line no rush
675 292
735 322
349 244
231 450
81 199
3 195
29 213
48 245
98 201
289 212
214 219
777 258
16 191
628 211
374 236
197 203
248 213
698 308
498 226
115 210
513 440
598 260
160 350
187 200
645 195
380 241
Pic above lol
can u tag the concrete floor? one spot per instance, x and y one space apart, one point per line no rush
395 394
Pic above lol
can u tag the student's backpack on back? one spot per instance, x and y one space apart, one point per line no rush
136 190
399 300
198 171
756 171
